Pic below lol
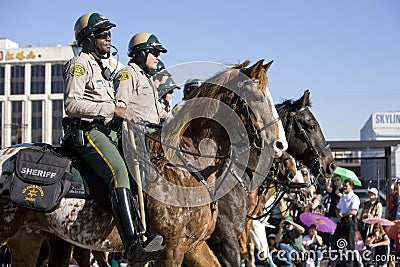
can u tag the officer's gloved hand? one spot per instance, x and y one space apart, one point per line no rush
131 115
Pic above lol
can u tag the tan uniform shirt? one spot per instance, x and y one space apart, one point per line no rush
86 93
137 93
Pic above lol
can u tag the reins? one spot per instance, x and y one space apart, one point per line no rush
316 160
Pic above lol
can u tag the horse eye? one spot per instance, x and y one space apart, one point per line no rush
258 98
312 127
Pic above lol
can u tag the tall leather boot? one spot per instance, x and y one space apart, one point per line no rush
130 229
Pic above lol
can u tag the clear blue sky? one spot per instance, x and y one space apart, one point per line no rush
347 52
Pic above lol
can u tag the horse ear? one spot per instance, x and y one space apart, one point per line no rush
266 66
305 99
246 63
239 66
252 71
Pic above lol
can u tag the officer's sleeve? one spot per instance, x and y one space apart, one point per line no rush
78 102
123 88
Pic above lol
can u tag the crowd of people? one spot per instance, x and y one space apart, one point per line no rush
293 243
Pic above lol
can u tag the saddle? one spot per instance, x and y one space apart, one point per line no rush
44 174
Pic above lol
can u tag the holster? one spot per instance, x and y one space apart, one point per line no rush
74 128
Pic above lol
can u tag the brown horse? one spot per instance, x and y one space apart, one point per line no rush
185 228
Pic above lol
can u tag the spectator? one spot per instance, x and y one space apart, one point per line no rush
312 244
359 246
358 241
335 192
379 243
393 201
289 240
371 209
347 207
272 249
315 206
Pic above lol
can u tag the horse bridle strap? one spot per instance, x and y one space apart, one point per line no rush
293 119
175 147
196 173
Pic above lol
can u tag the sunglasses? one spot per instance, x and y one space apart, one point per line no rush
103 35
155 53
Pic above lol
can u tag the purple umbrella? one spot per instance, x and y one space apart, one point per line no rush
324 224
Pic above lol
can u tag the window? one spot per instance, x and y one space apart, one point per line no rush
57 84
37 110
2 73
17 80
56 119
16 122
37 79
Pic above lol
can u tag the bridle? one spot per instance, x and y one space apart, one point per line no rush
237 148
316 160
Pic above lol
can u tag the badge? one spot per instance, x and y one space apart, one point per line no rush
77 70
124 75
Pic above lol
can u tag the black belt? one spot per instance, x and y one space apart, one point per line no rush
79 124
348 219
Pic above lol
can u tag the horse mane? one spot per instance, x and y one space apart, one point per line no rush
213 88
289 105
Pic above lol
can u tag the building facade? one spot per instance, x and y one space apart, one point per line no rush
31 92
381 126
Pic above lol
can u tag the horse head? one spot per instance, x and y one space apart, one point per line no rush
302 194
304 135
245 90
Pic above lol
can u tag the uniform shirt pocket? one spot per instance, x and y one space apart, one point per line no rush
98 90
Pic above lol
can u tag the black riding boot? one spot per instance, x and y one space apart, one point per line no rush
130 229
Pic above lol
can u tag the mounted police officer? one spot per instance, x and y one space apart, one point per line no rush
166 91
190 88
134 86
90 104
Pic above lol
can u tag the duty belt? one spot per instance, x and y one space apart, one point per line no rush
69 123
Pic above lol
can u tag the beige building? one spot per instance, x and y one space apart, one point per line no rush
31 92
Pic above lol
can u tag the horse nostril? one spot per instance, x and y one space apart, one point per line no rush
332 167
280 146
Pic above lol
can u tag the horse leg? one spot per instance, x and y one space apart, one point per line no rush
243 240
172 257
251 259
60 251
101 258
201 256
25 247
82 256
230 224
43 258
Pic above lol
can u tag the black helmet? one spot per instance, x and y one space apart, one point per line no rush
89 23
190 86
143 41
160 70
167 84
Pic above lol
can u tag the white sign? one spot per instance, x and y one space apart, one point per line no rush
387 119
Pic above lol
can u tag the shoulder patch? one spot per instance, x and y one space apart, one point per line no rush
77 70
124 75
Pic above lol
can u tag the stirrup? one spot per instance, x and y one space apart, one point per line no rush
139 253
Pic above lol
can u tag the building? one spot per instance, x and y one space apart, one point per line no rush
31 92
381 126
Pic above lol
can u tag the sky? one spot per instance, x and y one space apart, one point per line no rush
346 52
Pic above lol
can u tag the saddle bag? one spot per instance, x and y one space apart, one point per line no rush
41 178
